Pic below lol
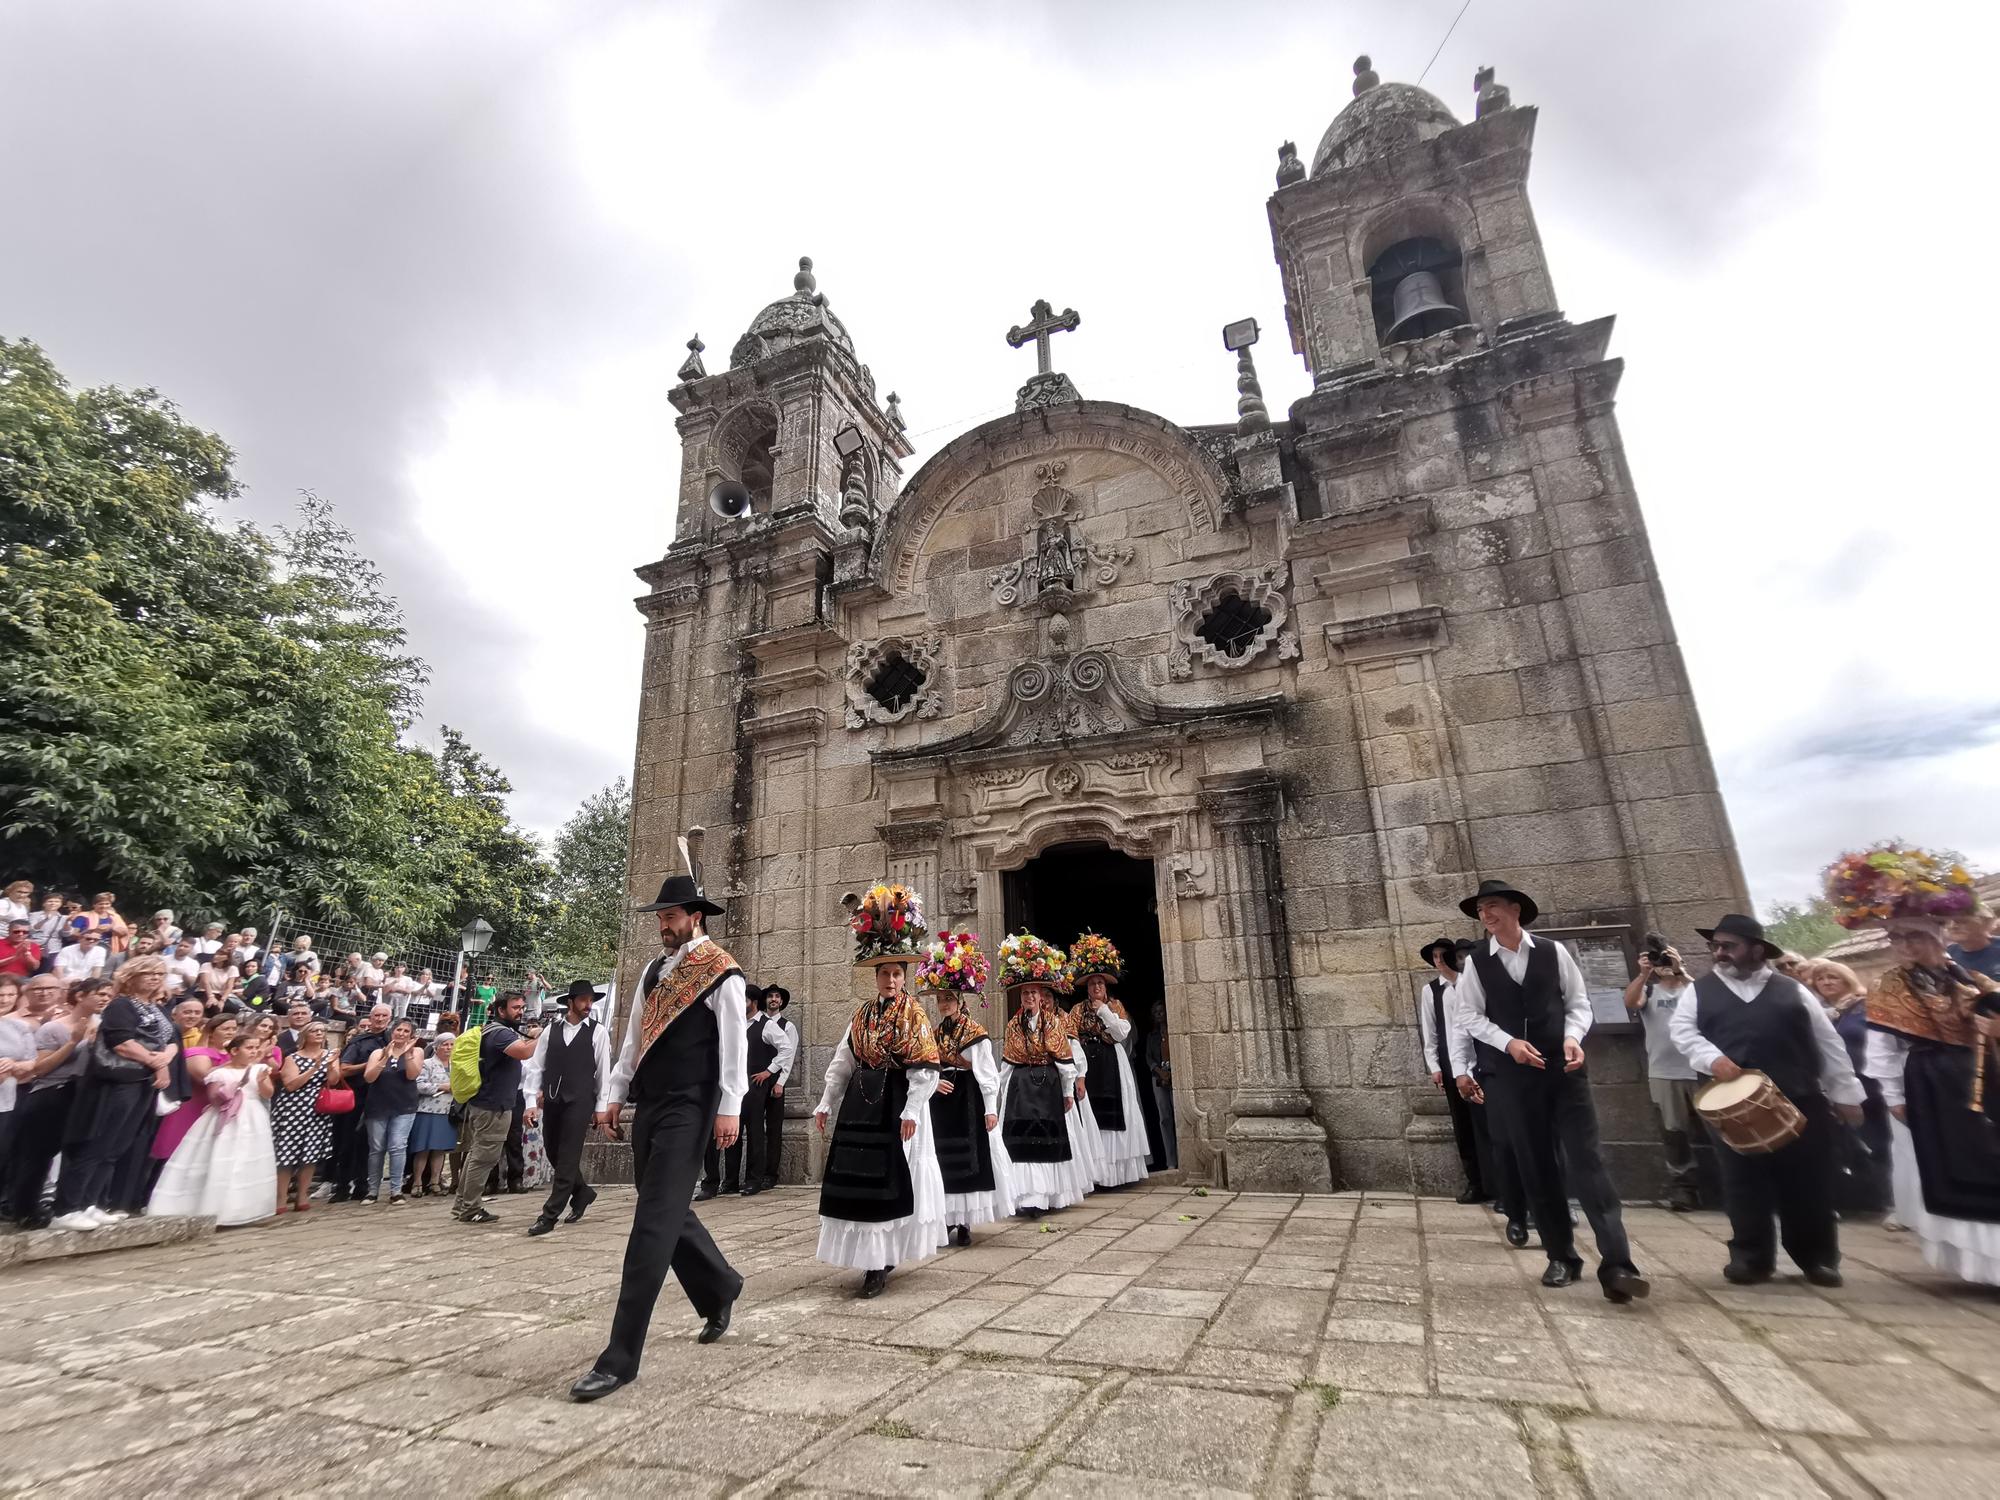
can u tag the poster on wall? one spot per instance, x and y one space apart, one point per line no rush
1606 972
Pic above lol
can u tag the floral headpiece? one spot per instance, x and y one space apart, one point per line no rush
888 926
1026 959
955 965
1096 954
1898 880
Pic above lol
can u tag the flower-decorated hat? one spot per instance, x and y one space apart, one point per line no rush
1094 954
1025 959
1892 880
888 926
954 965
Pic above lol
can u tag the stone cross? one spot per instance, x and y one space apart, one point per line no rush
1042 322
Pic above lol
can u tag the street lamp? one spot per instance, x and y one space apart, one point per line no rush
473 939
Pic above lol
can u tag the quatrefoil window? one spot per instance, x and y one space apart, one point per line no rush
1233 624
896 681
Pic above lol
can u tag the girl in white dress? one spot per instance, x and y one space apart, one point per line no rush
226 1167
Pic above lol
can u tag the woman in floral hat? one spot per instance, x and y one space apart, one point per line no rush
881 1201
1100 1026
965 1110
1038 1118
1932 1026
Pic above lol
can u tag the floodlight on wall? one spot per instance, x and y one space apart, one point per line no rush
847 441
1239 335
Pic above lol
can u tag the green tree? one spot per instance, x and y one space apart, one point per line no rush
1805 927
580 940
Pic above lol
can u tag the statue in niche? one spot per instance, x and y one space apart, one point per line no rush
1055 558
1060 564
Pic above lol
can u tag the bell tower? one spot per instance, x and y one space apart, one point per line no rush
1408 225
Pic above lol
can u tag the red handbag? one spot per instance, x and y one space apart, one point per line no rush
335 1101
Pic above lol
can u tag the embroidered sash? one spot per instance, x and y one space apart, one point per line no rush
693 977
1928 1006
1048 1043
892 1034
953 1037
1084 1022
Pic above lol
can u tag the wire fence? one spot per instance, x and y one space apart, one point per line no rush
462 978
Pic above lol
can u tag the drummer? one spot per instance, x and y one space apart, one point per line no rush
1746 1015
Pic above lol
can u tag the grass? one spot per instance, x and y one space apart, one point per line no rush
1326 1390
890 1427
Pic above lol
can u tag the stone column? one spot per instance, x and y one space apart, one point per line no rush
1273 1143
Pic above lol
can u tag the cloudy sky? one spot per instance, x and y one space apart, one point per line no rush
438 263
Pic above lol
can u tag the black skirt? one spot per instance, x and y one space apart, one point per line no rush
1033 1127
958 1120
1102 1086
1958 1148
867 1176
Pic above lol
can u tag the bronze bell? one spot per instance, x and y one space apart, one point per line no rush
1420 309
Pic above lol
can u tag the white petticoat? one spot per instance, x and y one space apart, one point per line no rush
1046 1184
227 1168
1966 1248
894 1242
974 1209
1124 1152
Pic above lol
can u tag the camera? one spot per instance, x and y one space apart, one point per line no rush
1656 950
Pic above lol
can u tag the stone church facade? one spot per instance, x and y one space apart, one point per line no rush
1274 694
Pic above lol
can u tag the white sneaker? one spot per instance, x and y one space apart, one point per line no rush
111 1215
83 1218
104 1216
1895 1225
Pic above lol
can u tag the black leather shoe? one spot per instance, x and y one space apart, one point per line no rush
1742 1273
1823 1275
542 1225
582 1200
1517 1233
752 1190
1562 1273
716 1326
731 1189
769 1183
872 1285
1471 1195
1624 1285
961 1234
595 1385
1030 1214
705 1192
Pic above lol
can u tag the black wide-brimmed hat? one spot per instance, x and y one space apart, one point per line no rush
578 988
1428 952
681 891
784 995
1529 911
1747 928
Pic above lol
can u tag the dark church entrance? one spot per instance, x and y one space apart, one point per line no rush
1070 887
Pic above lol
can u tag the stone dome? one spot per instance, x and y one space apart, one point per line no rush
1388 117
791 320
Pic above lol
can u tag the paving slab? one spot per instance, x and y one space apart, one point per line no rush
1389 1445
1156 1430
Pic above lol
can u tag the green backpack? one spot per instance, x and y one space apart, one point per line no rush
465 1065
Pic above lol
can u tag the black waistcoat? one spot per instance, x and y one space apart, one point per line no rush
1772 1033
763 1056
685 1060
569 1069
1440 1038
1532 1009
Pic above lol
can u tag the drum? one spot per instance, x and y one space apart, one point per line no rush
1749 1113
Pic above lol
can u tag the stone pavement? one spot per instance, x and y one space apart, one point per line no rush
1364 1344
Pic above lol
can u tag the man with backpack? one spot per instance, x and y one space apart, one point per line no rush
486 1079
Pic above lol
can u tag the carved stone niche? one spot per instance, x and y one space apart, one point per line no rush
1230 621
896 678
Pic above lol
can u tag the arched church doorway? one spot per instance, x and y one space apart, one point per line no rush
1070 887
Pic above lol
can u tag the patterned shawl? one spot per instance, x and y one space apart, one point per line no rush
693 977
1929 1004
1084 1024
892 1034
954 1036
1047 1043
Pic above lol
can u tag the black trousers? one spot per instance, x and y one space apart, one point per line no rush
565 1127
1466 1134
38 1137
349 1173
763 1134
667 1142
1548 1111
90 1166
1501 1178
1794 1183
513 1155
722 1170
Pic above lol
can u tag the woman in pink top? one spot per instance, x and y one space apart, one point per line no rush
213 1053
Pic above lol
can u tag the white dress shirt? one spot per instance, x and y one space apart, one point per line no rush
729 1000
75 963
600 1046
979 1058
1468 996
1427 1021
1836 1068
786 1039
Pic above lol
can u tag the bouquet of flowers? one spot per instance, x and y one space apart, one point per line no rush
1898 880
955 963
1094 953
1026 959
888 926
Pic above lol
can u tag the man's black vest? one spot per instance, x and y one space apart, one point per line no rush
1772 1033
763 1056
569 1069
1532 1009
1440 1038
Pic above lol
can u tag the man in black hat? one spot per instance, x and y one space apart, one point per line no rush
722 1171
1745 1016
1524 1004
563 1085
1496 1147
1435 1029
773 1048
682 1062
